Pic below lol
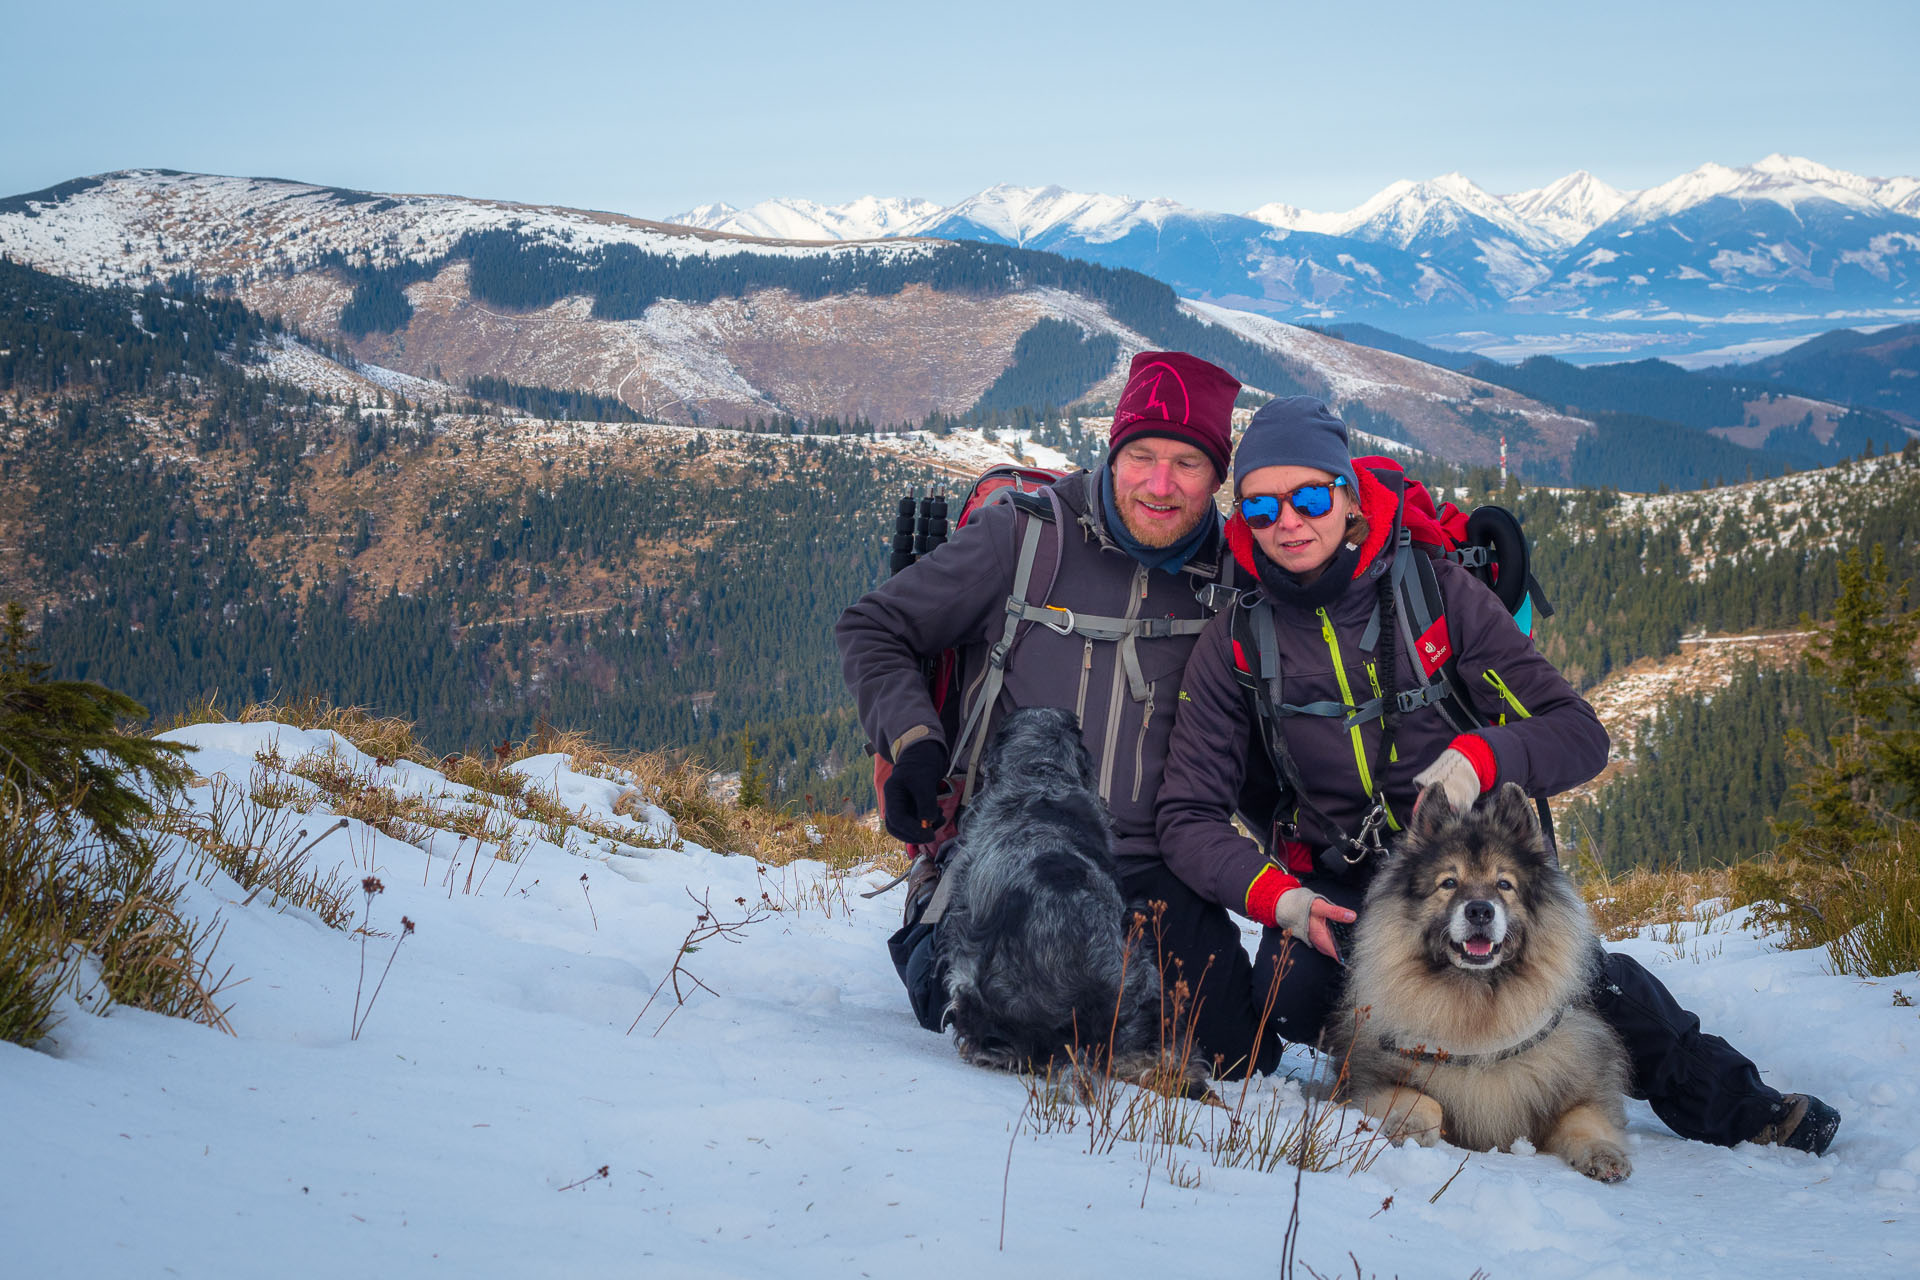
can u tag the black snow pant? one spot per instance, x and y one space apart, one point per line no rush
916 958
1700 1086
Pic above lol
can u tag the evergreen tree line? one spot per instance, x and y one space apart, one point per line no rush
546 402
166 598
1712 774
62 338
1054 363
1627 589
1636 408
1856 368
1643 388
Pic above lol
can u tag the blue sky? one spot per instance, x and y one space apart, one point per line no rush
647 109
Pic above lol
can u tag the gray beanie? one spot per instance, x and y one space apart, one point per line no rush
1295 431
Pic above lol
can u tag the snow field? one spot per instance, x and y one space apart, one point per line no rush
794 1121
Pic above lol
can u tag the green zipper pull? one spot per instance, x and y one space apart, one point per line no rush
1492 677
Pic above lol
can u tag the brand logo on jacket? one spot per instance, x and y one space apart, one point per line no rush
1434 647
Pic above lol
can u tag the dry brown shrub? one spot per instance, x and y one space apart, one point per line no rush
583 753
382 737
484 775
1863 907
684 788
351 791
546 808
1626 902
264 851
477 821
205 711
843 844
271 787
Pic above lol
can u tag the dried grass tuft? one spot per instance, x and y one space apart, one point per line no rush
1623 903
382 737
684 789
70 902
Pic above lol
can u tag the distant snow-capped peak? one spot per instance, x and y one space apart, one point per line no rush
1544 220
1290 217
1785 180
1024 214
867 218
1405 212
1569 208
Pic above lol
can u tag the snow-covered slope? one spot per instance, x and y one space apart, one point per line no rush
1036 216
514 1106
887 355
137 226
1409 213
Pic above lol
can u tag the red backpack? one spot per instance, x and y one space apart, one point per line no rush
919 527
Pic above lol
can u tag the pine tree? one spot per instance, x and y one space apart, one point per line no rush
61 745
753 775
1868 769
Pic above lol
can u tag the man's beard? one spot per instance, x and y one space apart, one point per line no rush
1157 538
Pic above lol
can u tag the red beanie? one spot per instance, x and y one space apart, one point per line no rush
1173 394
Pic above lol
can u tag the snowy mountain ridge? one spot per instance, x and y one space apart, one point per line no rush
888 356
1557 215
1783 247
140 225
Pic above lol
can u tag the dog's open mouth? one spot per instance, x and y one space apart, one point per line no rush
1476 950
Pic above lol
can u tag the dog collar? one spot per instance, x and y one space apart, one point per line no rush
1420 1052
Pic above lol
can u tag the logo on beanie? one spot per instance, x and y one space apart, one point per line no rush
1157 393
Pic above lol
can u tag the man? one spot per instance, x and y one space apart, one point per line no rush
1120 586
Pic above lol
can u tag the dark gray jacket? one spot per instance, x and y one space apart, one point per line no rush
956 597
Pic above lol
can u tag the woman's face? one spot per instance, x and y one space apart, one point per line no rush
1299 544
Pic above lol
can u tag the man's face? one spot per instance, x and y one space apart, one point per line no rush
1163 488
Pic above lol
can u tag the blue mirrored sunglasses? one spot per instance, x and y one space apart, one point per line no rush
1309 500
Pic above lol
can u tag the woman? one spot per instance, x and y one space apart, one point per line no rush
1319 535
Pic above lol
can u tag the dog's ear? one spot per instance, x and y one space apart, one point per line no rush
1512 814
1432 813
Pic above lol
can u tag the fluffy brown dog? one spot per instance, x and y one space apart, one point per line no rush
1466 1015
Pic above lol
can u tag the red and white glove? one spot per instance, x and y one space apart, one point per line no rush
1464 772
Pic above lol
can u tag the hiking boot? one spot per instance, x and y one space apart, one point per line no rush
1802 1122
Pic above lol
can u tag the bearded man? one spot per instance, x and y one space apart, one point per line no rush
1123 572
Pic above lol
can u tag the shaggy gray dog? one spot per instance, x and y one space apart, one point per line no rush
1467 1015
1044 962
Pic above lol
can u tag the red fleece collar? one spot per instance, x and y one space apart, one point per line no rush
1376 501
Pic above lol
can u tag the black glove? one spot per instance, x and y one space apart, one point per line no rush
912 793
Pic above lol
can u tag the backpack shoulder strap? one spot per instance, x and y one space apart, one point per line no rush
1421 612
1038 511
1453 702
1256 665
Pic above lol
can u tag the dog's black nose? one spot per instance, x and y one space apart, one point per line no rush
1479 913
